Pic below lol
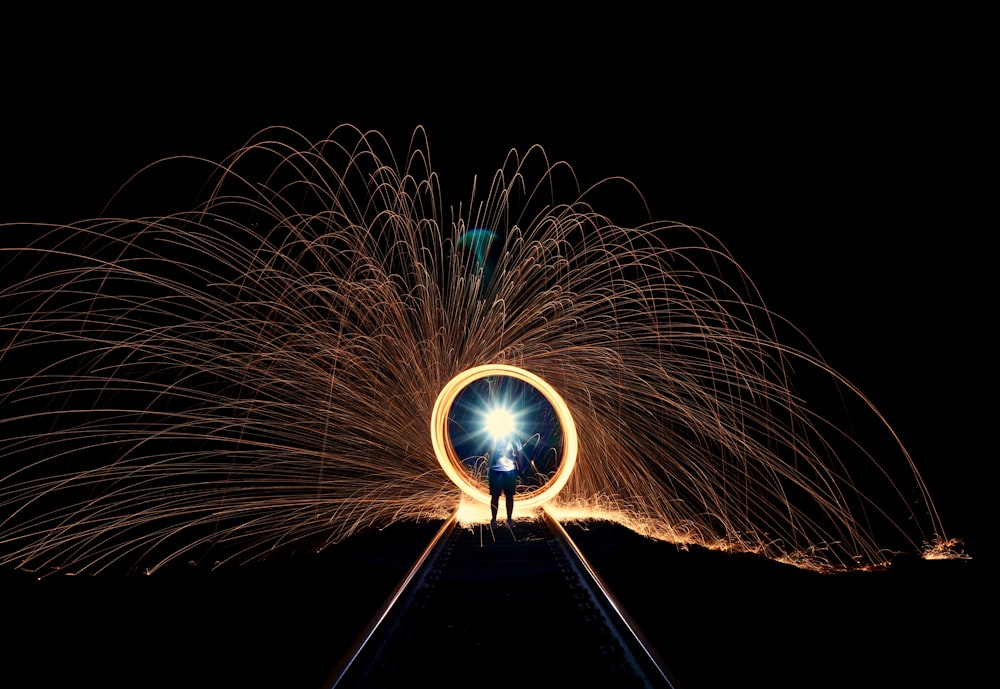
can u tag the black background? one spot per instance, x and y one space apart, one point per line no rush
845 161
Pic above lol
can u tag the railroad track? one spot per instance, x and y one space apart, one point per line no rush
504 607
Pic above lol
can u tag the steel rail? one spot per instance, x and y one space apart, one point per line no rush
441 619
383 615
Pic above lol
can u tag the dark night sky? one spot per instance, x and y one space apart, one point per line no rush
848 188
845 170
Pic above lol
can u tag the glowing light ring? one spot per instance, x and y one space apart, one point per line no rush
449 459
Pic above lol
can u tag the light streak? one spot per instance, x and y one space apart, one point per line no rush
453 464
257 371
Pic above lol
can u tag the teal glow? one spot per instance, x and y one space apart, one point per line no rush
479 240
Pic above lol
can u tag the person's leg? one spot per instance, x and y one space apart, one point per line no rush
495 489
510 484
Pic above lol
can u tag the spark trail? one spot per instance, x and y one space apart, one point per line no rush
256 373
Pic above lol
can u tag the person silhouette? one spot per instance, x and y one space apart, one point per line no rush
503 479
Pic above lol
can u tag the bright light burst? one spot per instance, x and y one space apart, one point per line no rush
499 422
257 371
